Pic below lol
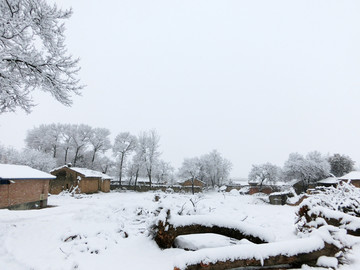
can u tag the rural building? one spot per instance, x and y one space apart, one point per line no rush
81 180
353 177
22 187
328 182
188 183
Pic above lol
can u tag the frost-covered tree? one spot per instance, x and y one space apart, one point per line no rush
215 169
163 172
81 144
124 145
66 140
33 54
309 169
319 167
340 164
266 173
45 138
148 145
29 157
191 168
80 135
137 167
37 160
99 142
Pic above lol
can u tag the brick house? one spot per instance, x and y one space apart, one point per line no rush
22 187
353 177
82 179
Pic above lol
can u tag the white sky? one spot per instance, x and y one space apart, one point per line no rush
254 79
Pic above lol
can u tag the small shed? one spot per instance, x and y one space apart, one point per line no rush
353 177
80 179
22 187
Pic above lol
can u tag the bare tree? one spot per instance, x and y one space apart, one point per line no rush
33 54
124 144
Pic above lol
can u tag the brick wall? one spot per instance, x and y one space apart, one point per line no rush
89 185
23 191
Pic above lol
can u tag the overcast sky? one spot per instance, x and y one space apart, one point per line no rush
255 80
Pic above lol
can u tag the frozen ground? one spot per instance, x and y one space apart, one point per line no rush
90 231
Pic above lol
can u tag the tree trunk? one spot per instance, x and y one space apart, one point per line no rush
192 185
136 177
76 155
149 175
93 158
121 167
66 153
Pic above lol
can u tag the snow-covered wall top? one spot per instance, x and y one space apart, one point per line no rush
10 171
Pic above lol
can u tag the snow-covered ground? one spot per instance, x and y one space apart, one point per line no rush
110 230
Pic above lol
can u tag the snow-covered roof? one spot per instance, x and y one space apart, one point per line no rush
354 175
10 171
329 180
86 172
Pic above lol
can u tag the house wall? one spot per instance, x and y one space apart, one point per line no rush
89 184
356 183
265 189
104 185
24 194
67 179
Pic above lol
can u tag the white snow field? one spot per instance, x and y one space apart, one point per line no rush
110 230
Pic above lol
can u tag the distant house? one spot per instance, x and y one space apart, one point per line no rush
328 182
22 187
82 179
188 183
353 177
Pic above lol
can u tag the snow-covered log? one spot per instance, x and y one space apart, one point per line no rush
286 254
168 227
310 218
